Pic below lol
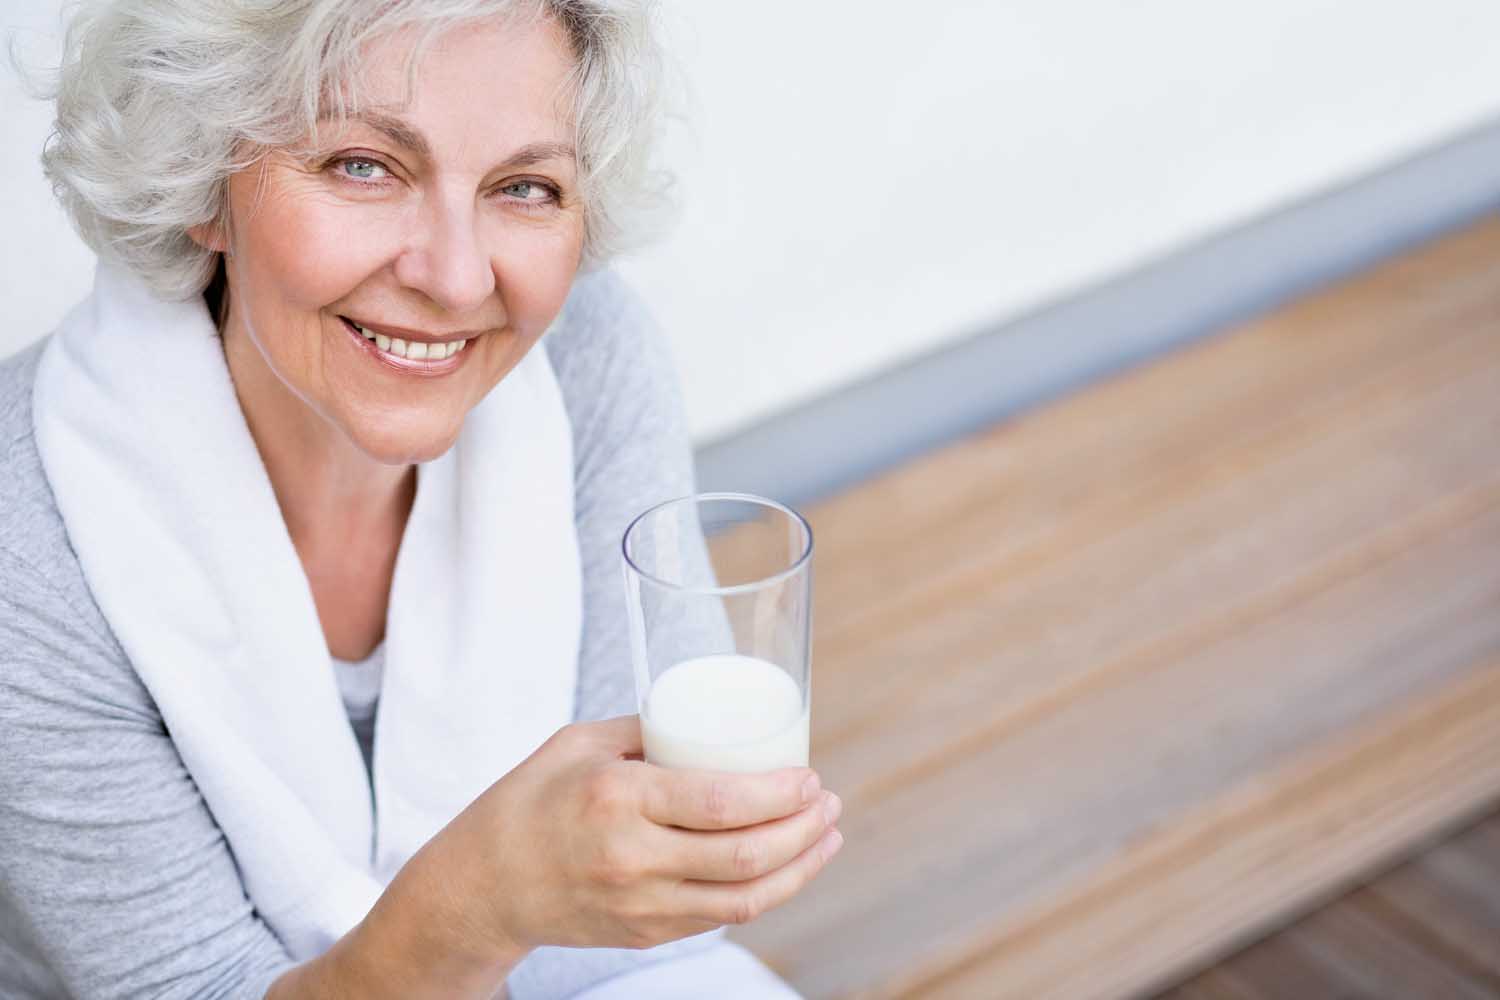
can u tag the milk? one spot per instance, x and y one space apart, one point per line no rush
725 713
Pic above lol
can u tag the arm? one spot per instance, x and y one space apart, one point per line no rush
117 871
119 876
126 888
405 948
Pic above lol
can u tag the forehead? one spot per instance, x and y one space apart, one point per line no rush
490 83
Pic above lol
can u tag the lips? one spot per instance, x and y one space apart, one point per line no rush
428 350
416 357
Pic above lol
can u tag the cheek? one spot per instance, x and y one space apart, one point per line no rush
307 253
535 271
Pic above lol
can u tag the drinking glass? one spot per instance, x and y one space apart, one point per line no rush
719 591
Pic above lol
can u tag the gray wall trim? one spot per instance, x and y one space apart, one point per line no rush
831 443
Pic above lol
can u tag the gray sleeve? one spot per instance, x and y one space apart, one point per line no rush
111 865
632 450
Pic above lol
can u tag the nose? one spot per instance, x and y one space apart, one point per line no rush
446 260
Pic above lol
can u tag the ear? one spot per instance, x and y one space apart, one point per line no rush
209 236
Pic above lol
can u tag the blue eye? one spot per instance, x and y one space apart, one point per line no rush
527 191
361 169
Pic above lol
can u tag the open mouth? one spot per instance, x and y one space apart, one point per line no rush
407 351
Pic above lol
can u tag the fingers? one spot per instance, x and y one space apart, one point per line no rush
715 800
741 855
742 902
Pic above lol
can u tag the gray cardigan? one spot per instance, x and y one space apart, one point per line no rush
114 879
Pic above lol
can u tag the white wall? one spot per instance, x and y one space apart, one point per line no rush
44 268
869 181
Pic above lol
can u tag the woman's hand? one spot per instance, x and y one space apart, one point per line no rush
585 845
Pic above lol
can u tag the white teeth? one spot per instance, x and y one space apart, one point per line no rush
413 350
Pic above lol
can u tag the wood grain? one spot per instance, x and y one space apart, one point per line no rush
1439 914
1112 687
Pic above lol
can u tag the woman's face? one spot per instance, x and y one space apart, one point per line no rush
448 228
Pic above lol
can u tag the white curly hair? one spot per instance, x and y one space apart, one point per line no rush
159 101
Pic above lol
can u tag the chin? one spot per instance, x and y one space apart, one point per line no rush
405 445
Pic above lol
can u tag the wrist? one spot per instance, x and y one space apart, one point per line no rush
417 941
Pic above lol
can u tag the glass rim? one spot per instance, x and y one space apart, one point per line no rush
737 588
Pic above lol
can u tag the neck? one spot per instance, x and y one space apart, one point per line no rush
330 492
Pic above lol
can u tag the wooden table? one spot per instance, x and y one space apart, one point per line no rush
1115 687
1431 928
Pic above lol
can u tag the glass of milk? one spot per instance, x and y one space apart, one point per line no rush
719 590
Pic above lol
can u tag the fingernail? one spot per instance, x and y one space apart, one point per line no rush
835 841
810 787
832 807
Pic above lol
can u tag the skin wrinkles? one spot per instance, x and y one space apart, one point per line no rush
409 137
581 844
439 245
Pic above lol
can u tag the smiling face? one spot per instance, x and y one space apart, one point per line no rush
387 283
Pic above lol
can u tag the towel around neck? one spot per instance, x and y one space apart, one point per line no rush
181 540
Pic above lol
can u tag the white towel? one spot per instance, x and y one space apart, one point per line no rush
172 515
724 972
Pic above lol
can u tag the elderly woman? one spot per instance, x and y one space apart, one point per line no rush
309 594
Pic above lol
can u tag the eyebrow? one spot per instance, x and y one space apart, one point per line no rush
405 135
540 152
395 130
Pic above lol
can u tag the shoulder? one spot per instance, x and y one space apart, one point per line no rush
607 345
601 302
31 530
47 613
616 371
17 375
